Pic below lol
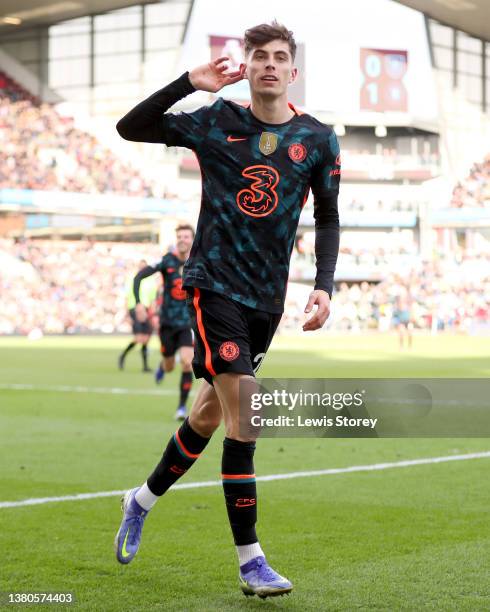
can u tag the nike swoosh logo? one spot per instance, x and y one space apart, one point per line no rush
125 554
231 139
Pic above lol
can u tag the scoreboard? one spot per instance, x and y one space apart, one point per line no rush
383 88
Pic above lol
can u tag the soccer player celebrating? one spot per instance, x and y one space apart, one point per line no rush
141 323
175 324
258 164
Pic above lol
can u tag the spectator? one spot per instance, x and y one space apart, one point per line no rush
79 287
39 149
474 191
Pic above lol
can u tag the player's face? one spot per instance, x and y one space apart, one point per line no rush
269 69
184 241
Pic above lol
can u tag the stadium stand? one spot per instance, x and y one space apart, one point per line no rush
451 293
71 287
40 149
474 190
10 89
67 287
379 206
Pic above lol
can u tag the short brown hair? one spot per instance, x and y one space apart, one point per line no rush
185 226
265 32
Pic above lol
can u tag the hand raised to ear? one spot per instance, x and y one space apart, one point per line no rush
213 76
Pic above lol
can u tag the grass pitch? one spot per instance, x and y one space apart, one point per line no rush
399 539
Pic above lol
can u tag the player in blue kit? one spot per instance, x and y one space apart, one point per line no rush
258 164
175 324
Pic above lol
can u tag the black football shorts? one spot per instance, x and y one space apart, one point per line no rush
230 337
140 327
172 338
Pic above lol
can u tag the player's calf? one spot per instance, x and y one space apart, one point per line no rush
183 449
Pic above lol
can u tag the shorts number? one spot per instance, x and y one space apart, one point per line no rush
257 361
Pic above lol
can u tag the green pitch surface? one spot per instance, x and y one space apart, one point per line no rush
404 538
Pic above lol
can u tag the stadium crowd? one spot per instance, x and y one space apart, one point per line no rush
474 190
40 149
68 287
440 295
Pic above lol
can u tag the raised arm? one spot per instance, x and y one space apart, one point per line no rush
144 123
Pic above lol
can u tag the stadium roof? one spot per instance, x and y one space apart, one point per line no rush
471 16
46 12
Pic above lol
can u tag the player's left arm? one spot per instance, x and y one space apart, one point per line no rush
325 187
141 310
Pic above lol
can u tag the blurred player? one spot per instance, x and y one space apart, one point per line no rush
402 319
258 164
175 325
142 327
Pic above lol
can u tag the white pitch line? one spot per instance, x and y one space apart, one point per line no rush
287 476
80 389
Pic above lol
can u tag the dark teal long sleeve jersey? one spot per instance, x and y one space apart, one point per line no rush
255 180
173 311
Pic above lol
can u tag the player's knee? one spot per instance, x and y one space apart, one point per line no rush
235 432
187 365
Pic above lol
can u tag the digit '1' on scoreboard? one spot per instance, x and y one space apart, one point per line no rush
383 88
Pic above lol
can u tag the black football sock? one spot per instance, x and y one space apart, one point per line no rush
183 449
127 349
144 355
240 490
185 387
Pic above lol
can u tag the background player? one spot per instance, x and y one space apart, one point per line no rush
142 327
402 318
257 164
175 325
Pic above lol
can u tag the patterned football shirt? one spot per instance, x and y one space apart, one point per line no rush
255 180
173 311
